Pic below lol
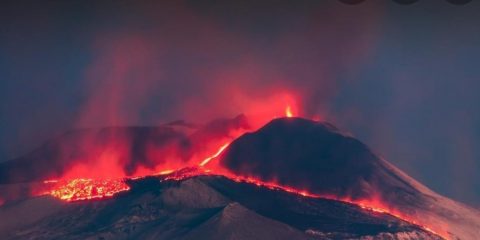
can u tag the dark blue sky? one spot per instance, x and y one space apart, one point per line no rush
404 79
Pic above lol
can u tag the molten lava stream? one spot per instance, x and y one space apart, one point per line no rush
219 151
373 206
85 189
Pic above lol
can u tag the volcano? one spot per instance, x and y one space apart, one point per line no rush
291 179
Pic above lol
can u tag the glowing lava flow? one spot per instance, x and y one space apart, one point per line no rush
219 151
372 206
84 189
288 112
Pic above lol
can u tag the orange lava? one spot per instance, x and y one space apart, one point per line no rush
288 112
219 151
168 171
85 189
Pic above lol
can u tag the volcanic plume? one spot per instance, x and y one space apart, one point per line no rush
117 152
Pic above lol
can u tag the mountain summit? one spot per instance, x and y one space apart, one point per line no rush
319 158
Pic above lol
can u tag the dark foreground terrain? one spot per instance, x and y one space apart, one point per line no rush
203 207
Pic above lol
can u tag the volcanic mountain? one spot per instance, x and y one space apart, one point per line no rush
291 179
319 158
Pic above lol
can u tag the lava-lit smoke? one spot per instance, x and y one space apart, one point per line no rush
174 61
191 65
213 72
102 176
141 151
118 152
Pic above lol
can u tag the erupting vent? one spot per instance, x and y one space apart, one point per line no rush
288 112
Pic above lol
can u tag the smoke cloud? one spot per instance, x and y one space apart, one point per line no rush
372 68
152 63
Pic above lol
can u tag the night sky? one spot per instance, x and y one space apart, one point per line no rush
403 79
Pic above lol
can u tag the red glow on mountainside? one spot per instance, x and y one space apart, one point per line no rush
379 207
369 205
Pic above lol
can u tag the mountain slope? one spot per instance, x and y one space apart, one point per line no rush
203 207
319 158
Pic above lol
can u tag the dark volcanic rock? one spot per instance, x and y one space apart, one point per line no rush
205 207
315 156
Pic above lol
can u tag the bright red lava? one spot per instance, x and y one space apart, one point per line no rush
219 151
85 189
